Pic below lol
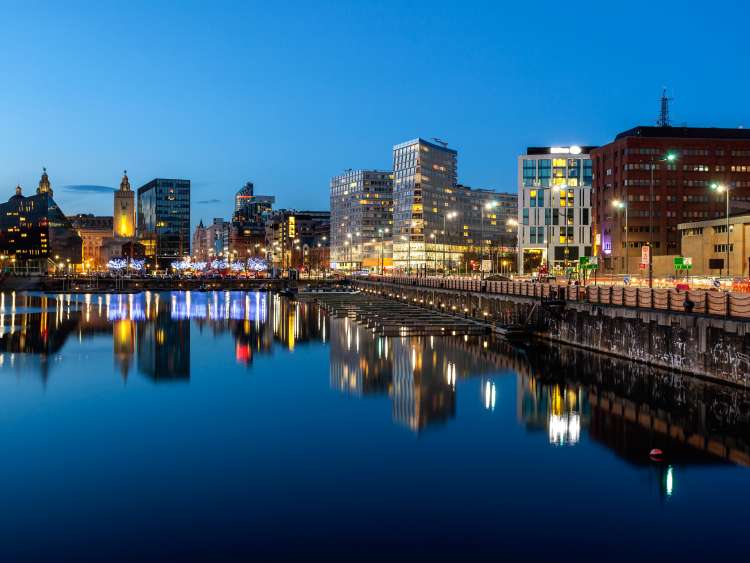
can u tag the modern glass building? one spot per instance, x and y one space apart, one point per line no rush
35 235
424 178
164 219
361 220
554 206
439 224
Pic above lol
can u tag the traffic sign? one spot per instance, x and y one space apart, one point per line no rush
645 254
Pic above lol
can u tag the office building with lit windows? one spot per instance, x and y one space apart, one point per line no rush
554 207
439 224
361 220
701 157
295 239
35 235
164 219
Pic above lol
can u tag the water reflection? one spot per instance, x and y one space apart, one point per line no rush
563 395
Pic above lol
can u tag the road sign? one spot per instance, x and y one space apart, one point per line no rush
588 262
717 284
645 254
683 263
626 280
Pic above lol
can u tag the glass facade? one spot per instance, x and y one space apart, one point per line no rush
438 223
164 219
361 219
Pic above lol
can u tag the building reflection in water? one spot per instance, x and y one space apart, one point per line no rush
560 409
562 393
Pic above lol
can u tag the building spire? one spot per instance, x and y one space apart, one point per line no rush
44 185
125 183
664 120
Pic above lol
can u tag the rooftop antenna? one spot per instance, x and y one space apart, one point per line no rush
440 142
663 120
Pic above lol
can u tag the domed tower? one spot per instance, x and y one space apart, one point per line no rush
124 216
44 185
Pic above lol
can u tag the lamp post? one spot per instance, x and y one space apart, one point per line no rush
408 253
719 188
446 217
513 223
669 157
489 205
622 205
432 237
382 233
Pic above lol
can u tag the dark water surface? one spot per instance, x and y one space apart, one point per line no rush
214 426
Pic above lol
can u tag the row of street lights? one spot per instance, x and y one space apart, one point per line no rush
623 206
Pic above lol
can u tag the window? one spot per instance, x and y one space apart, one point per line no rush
525 215
587 173
529 172
545 171
722 248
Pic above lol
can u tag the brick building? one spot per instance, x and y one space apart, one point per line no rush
682 191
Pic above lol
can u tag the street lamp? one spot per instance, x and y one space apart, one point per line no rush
669 157
408 253
348 243
432 236
513 223
446 217
382 232
622 205
719 188
489 205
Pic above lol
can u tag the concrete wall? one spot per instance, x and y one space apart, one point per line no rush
712 347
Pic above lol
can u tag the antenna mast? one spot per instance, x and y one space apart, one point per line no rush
663 120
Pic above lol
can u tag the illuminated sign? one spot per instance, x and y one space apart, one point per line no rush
565 150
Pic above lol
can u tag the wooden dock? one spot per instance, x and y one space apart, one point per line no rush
387 317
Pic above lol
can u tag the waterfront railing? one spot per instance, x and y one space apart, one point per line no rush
703 302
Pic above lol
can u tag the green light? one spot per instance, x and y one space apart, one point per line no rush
671 157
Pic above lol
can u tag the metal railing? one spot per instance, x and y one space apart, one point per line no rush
702 302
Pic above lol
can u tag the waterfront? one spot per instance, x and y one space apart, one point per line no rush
238 425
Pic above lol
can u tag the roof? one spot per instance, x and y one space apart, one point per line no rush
740 218
532 151
420 140
653 132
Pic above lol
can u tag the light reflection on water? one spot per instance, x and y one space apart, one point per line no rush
455 390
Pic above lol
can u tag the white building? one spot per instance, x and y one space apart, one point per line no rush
554 207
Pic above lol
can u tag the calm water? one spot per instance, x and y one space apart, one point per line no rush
215 426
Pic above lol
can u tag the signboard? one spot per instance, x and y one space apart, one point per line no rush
715 263
486 265
645 254
683 263
588 262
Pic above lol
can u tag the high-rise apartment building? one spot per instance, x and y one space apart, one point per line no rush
438 223
361 220
554 206
124 211
424 178
683 163
164 219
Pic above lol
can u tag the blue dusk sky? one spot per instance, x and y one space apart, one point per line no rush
287 94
